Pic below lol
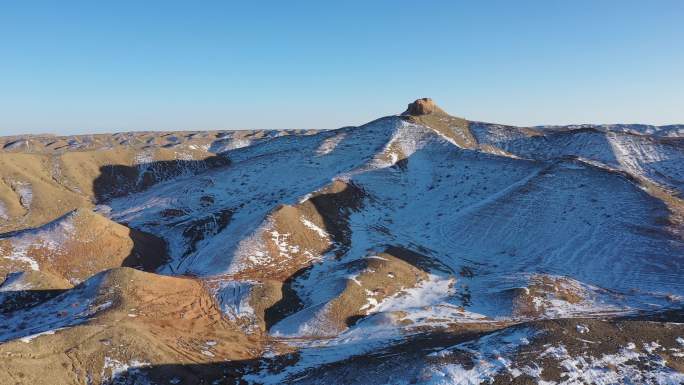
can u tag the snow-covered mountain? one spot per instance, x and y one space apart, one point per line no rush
417 248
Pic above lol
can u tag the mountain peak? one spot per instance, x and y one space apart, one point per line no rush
423 106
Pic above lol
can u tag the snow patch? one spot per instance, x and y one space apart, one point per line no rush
3 211
114 368
50 237
233 298
71 308
625 366
312 226
489 356
430 291
30 338
25 192
330 144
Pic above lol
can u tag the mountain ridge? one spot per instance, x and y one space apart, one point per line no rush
464 246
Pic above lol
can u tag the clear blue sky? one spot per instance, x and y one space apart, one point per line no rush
95 66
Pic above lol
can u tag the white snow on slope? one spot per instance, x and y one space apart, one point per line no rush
657 159
15 282
233 297
25 191
368 336
321 233
491 214
329 144
489 359
68 309
113 369
50 236
225 145
261 176
486 222
30 338
623 367
471 210
433 290
3 211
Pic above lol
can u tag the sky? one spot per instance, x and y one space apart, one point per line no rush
103 66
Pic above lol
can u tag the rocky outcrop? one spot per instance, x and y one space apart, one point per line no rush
423 106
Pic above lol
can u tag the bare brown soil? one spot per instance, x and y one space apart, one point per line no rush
533 300
380 277
292 245
154 320
89 243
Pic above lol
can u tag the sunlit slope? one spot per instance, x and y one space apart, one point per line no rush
490 218
470 251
